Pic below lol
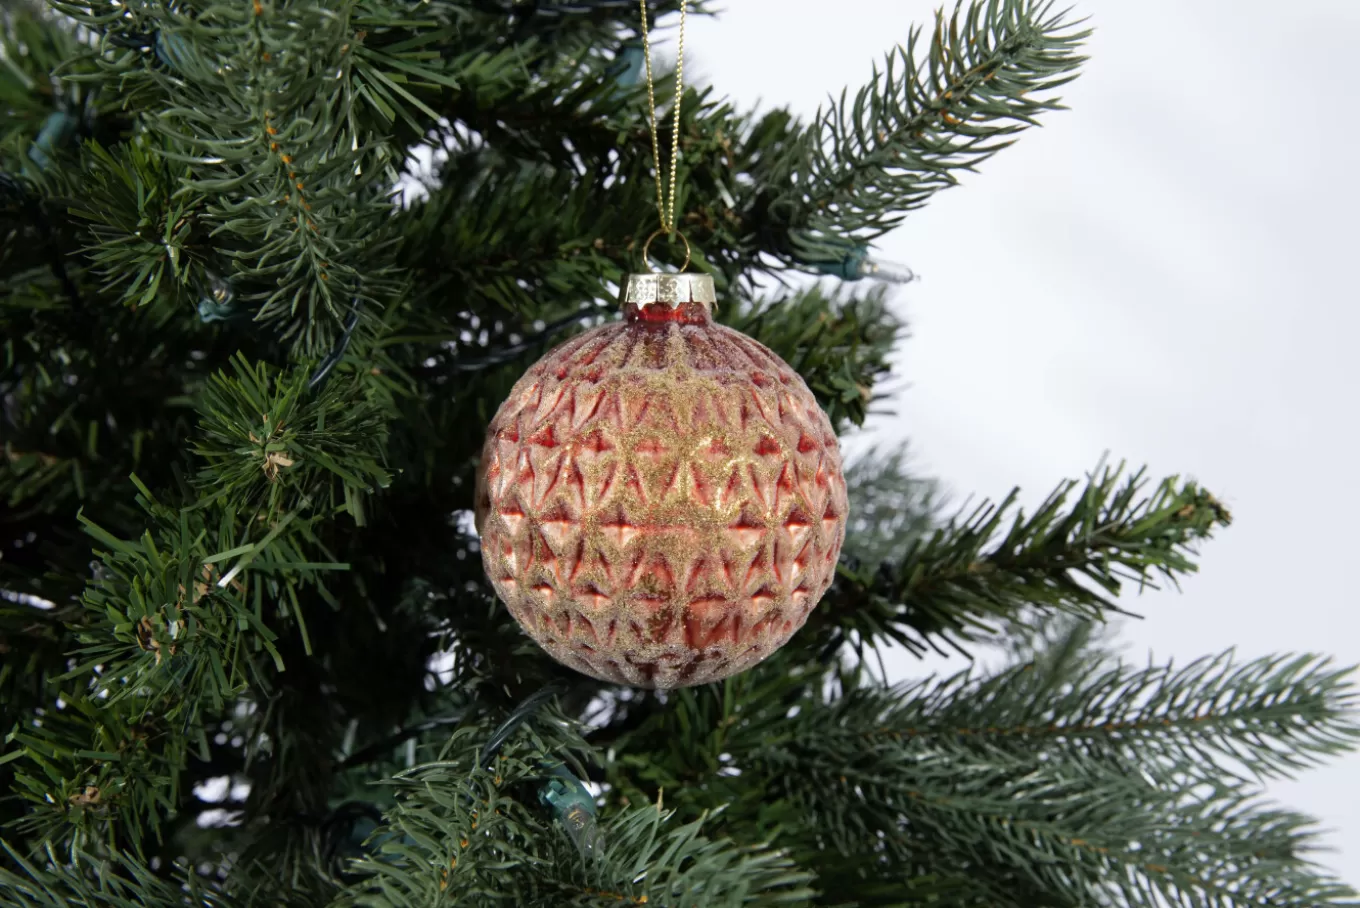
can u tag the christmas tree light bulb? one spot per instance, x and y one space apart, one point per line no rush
887 272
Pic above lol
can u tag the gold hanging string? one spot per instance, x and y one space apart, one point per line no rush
665 208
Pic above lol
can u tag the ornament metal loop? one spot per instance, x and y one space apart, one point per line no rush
646 258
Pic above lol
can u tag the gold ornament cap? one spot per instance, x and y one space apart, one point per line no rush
672 290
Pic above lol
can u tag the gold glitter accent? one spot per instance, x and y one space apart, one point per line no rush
661 504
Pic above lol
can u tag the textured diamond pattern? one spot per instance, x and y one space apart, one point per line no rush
661 505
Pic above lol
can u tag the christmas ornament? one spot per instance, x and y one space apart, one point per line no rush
661 501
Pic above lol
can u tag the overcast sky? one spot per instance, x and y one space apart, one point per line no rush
1160 273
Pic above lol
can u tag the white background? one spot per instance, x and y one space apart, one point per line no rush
1159 272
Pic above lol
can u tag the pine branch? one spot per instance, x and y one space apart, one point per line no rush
461 835
88 881
1270 717
808 770
558 104
32 47
681 867
174 628
147 242
546 269
1065 558
271 442
1121 785
537 146
281 122
905 136
30 225
91 774
43 118
888 506
838 343
82 413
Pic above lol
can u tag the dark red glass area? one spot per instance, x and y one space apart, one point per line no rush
662 314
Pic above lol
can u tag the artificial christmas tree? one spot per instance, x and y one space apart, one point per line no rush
248 651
